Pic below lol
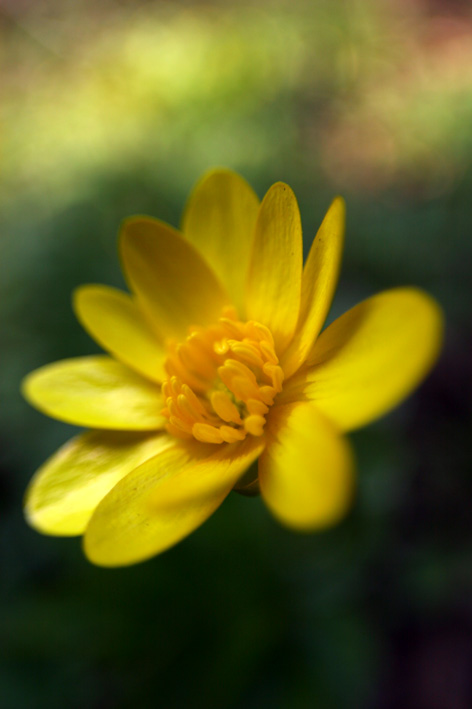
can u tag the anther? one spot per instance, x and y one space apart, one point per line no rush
194 401
232 329
231 435
240 369
254 424
254 406
268 352
267 394
275 373
182 426
221 347
221 381
224 407
260 332
206 434
187 409
243 388
179 433
247 352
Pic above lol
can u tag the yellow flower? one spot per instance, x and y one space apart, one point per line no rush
216 359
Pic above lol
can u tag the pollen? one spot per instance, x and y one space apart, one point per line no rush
221 381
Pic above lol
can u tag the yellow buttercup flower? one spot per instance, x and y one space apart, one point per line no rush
216 360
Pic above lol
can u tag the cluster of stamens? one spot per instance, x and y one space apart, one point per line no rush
221 381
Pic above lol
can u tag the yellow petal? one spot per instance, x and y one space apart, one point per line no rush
275 273
219 220
305 473
162 501
117 323
320 277
373 356
174 283
96 392
66 490
214 470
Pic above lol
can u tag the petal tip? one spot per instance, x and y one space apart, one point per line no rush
437 320
27 387
338 205
80 295
280 187
218 171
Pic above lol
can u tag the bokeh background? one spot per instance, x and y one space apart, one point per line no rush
114 108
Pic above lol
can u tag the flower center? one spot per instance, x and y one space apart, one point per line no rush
221 381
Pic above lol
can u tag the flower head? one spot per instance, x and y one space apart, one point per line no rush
216 360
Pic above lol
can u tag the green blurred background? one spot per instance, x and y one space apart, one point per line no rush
114 108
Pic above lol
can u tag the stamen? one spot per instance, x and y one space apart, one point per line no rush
222 381
239 369
268 352
246 351
175 386
233 329
166 389
175 367
203 347
267 394
222 347
176 412
181 425
256 407
243 388
187 409
275 373
175 431
194 358
278 377
193 400
207 434
260 332
229 313
224 407
254 424
231 435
